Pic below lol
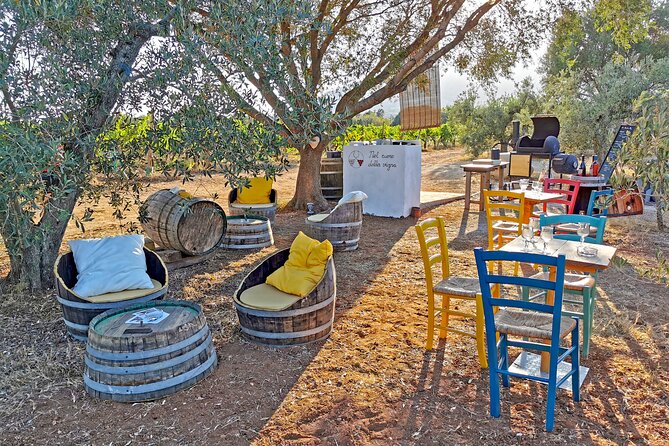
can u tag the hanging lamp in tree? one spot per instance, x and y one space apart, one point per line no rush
420 103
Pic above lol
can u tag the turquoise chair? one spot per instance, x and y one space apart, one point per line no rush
582 285
594 204
534 320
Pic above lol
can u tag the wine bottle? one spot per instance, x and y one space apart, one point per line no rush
581 169
594 167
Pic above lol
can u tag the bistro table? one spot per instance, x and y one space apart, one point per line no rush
574 262
484 169
533 198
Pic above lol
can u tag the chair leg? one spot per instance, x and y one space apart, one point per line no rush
430 322
575 378
495 408
445 306
480 333
552 387
504 352
587 319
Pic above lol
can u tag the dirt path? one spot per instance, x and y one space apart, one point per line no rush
371 382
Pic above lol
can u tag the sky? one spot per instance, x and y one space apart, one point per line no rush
453 83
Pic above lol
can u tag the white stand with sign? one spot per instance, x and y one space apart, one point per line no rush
389 174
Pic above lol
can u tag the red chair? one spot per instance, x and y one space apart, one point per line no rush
568 188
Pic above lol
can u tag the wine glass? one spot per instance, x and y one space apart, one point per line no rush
583 231
527 234
535 225
546 236
524 182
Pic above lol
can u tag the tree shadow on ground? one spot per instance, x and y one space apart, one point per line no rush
250 383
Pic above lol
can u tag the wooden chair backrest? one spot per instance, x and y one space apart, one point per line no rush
594 202
432 234
569 188
598 223
508 207
520 165
486 279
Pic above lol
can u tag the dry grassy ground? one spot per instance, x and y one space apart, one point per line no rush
371 382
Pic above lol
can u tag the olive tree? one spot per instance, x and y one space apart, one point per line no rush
307 68
646 155
67 72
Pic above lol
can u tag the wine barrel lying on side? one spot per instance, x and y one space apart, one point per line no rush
193 226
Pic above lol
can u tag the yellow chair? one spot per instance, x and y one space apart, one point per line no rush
450 287
504 212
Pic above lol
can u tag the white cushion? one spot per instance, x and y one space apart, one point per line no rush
316 218
110 264
353 197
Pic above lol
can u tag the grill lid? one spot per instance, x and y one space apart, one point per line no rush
545 126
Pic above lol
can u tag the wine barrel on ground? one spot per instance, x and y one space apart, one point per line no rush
148 351
250 232
332 178
193 226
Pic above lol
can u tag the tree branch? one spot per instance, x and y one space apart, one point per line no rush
410 70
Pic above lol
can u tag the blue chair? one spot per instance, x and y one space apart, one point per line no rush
536 321
582 285
595 202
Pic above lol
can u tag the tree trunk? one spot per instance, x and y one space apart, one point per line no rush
33 252
308 185
659 205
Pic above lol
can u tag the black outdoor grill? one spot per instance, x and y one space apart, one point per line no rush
544 143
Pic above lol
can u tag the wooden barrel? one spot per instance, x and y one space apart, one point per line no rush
248 233
129 362
193 226
342 227
308 320
332 178
78 313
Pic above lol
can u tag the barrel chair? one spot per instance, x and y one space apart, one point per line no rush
342 225
78 311
262 202
274 317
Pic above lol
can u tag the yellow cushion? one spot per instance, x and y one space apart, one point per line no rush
123 295
266 297
257 191
304 268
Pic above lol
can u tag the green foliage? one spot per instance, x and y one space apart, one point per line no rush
371 118
435 138
645 158
481 126
67 70
592 77
627 21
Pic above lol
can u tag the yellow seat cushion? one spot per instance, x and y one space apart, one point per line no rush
123 295
304 268
266 297
257 192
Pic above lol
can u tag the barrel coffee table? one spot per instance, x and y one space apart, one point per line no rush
248 232
148 351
